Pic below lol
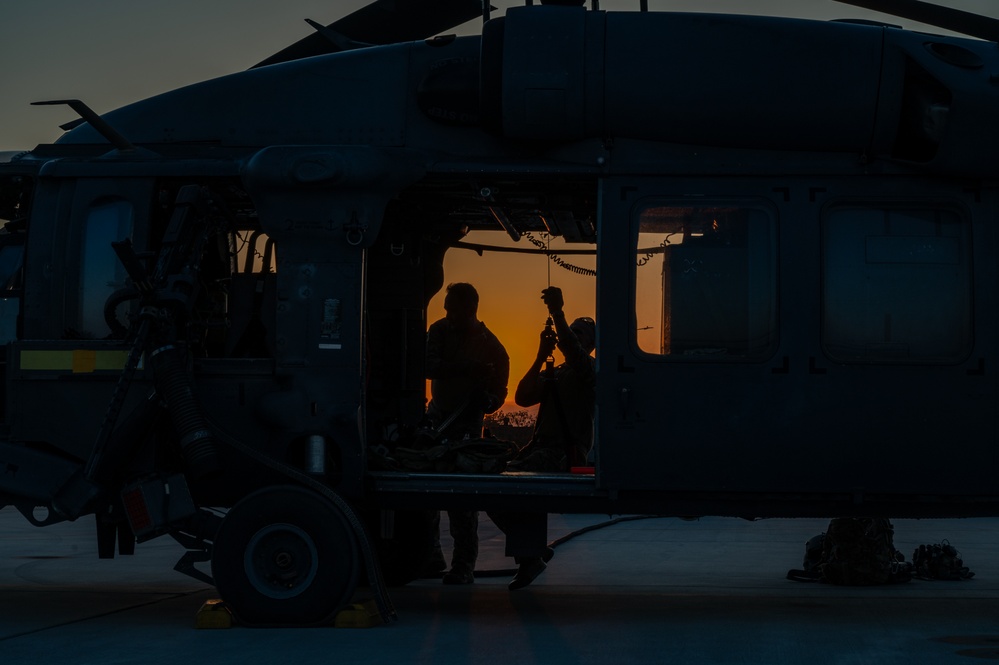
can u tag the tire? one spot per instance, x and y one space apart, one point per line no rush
285 556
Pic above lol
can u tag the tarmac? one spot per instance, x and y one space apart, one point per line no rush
657 590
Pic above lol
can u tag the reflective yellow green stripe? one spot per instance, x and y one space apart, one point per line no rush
84 361
78 361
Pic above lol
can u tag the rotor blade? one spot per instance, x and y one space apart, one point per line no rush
385 22
947 18
338 40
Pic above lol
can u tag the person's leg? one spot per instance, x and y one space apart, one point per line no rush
465 532
526 541
436 565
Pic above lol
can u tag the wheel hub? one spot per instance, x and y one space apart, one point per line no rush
281 561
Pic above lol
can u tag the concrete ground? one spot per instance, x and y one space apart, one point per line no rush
643 591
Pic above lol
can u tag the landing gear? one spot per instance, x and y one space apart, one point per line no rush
285 556
404 541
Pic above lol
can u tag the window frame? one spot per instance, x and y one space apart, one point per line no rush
770 292
89 251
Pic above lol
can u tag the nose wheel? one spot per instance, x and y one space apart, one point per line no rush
285 556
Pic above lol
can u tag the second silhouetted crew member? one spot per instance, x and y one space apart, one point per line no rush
563 432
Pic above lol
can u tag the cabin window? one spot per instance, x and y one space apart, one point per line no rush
101 273
706 281
896 285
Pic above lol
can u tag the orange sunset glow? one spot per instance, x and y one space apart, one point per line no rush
509 287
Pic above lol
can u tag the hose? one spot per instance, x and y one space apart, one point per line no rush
505 572
173 384
118 329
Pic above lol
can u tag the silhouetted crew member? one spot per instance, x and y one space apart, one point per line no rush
468 370
563 433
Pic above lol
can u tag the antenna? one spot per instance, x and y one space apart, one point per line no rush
96 121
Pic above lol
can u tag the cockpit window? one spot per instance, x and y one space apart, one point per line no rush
15 201
11 261
15 206
101 273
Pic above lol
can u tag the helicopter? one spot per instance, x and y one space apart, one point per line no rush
223 290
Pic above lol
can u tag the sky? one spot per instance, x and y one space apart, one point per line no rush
113 52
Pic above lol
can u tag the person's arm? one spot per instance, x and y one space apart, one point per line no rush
497 374
501 377
567 342
530 388
435 352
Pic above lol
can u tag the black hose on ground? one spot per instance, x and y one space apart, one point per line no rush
505 572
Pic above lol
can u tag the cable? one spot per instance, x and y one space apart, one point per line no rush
648 255
505 572
557 260
548 252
